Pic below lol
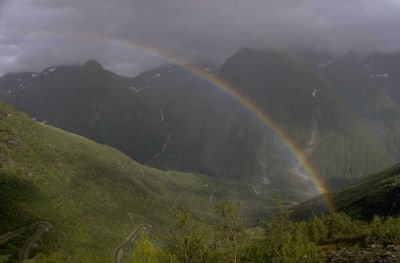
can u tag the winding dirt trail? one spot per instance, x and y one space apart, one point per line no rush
119 251
7 236
24 252
212 195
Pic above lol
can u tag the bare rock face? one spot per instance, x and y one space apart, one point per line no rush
370 254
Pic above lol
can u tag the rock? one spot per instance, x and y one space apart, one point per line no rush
372 253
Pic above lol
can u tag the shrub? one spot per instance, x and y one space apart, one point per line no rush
384 231
145 251
285 241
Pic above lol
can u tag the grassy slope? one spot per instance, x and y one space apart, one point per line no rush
92 195
377 194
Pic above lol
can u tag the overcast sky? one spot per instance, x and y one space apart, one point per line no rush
38 33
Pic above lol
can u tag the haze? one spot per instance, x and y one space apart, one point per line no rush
37 33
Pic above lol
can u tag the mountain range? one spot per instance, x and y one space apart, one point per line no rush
128 151
342 112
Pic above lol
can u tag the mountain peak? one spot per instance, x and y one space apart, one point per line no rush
93 64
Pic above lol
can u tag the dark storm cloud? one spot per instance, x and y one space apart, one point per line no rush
199 30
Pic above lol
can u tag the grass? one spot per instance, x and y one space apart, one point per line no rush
92 195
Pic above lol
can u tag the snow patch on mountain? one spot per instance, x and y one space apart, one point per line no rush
326 64
161 113
383 75
314 93
134 89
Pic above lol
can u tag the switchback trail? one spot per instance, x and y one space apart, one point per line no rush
120 249
5 237
24 252
118 253
212 195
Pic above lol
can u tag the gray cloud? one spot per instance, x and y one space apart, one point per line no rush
39 33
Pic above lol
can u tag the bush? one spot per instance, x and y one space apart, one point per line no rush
317 229
285 241
145 251
383 231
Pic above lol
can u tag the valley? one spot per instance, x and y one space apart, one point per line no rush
163 117
196 146
186 131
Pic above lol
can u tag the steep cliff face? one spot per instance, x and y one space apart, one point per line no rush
343 112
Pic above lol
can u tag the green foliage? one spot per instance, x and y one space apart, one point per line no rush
4 258
383 230
317 229
339 226
145 251
363 199
191 240
42 258
213 240
286 241
92 195
219 238
14 193
230 229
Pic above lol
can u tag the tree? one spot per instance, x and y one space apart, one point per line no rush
4 258
145 251
287 241
230 228
190 242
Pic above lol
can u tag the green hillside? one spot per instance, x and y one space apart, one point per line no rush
377 194
84 197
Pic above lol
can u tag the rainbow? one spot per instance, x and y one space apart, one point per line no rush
270 124
219 83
